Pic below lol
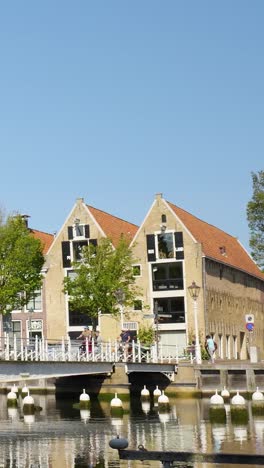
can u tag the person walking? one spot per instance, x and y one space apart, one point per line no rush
210 347
86 336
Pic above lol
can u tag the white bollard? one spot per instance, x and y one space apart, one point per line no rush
116 406
28 405
145 395
84 400
163 402
156 393
24 391
12 399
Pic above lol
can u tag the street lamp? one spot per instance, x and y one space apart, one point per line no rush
120 297
194 291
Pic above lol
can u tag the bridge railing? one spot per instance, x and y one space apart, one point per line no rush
16 349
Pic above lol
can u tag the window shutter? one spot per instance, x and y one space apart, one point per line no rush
180 255
93 242
178 239
66 254
87 231
151 248
70 232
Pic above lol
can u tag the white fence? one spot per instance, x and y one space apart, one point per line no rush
73 350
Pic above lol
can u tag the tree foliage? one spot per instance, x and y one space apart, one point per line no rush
21 260
146 335
255 217
102 271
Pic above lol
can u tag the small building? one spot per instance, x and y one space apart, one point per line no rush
83 226
176 248
30 320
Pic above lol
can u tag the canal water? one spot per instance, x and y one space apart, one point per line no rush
61 435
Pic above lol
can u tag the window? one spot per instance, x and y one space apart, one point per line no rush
78 318
170 310
137 304
165 245
77 250
78 230
36 302
71 274
136 270
35 328
167 276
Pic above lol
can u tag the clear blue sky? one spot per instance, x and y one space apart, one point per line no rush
117 100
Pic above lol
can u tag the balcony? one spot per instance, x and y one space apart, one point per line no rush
167 284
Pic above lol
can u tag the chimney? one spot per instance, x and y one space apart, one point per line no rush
158 196
25 219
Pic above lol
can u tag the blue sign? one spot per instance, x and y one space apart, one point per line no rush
250 326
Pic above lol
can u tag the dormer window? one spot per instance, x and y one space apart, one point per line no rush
222 250
78 230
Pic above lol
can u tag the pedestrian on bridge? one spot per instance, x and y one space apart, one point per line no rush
86 336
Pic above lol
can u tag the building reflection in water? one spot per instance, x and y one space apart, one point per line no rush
61 436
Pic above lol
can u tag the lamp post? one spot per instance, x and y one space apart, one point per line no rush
120 297
194 291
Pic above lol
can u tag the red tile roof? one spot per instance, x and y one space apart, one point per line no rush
45 238
112 226
215 240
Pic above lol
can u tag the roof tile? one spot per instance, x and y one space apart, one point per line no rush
112 226
217 244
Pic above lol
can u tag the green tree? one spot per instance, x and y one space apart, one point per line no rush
255 217
21 261
102 272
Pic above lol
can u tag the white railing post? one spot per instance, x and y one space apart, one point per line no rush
15 348
7 348
177 355
109 350
147 356
69 349
63 349
133 352
156 358
86 349
40 349
93 350
139 351
116 352
36 348
46 350
22 349
161 353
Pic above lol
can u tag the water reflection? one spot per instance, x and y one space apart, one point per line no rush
61 435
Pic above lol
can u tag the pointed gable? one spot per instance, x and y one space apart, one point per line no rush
217 244
112 226
45 238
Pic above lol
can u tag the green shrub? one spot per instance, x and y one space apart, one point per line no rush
146 335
